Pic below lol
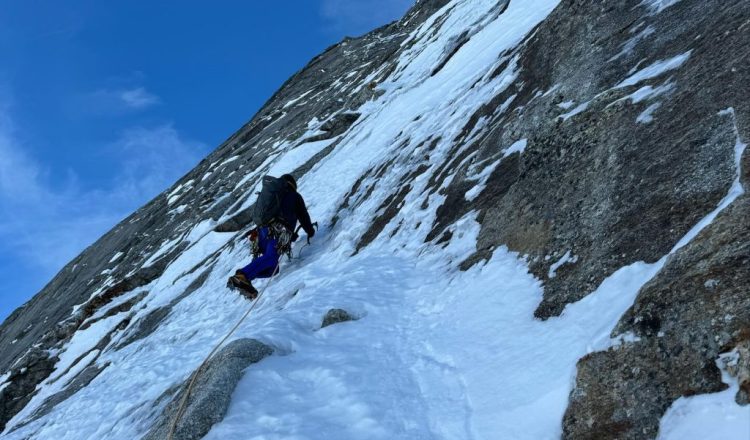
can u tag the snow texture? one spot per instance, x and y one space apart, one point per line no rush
517 147
4 380
714 416
410 368
578 109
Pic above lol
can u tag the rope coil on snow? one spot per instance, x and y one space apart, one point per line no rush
183 402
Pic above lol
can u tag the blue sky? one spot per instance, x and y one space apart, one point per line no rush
103 105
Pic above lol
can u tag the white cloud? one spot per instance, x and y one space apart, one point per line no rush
46 224
151 159
18 175
138 98
357 17
117 100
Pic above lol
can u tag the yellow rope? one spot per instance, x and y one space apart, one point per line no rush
197 372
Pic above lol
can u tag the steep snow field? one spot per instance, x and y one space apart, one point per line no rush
436 352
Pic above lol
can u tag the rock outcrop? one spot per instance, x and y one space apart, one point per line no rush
209 398
336 316
695 309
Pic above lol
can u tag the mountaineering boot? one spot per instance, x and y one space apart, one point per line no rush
240 282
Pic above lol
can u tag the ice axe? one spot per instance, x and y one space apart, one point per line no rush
296 233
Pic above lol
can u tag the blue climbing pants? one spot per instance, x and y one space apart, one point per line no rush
264 265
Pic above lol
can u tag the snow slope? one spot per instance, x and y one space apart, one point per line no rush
436 352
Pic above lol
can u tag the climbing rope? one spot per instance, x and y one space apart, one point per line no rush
197 372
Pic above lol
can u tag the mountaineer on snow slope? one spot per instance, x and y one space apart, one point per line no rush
278 209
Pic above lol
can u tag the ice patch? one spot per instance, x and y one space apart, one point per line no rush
163 249
227 161
580 108
551 90
655 69
517 147
567 258
294 101
176 193
711 284
482 178
218 200
625 338
657 6
647 115
179 210
4 381
122 299
629 45
200 230
648 92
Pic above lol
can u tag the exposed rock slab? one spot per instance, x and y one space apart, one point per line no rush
33 368
601 185
211 393
336 316
696 308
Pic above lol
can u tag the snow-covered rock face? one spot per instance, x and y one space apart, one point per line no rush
535 210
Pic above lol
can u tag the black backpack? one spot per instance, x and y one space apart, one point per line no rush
268 206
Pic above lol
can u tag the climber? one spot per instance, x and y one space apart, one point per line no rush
277 210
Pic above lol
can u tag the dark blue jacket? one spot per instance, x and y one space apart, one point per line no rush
293 209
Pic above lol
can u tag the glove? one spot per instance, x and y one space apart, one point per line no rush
295 236
252 235
310 233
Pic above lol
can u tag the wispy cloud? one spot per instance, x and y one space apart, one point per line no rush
151 159
138 98
47 223
360 16
19 176
121 99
